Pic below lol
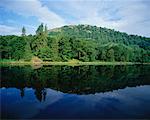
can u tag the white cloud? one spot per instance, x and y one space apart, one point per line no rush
15 30
30 29
134 17
34 8
131 16
8 30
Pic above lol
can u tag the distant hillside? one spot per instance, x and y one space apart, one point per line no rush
101 35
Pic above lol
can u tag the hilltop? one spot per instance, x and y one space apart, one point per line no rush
100 34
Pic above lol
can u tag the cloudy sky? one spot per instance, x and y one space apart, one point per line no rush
131 16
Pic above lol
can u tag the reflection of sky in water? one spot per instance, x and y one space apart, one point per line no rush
129 102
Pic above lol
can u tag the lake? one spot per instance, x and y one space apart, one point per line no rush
88 92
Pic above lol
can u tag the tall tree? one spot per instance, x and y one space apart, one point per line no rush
27 50
23 31
40 29
65 48
53 44
40 40
46 30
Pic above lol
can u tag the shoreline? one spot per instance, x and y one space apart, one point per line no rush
70 63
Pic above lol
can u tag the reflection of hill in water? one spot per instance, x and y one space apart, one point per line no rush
79 79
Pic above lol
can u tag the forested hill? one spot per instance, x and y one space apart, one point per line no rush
101 35
79 42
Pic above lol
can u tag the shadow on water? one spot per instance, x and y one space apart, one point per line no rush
74 80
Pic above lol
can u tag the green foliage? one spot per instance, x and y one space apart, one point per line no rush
23 31
17 48
65 48
80 42
28 52
53 44
84 49
40 29
40 40
102 35
45 53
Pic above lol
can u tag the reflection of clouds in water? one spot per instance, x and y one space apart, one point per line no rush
10 91
28 105
110 104
130 92
121 100
52 96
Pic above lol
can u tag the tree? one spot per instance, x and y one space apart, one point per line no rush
65 48
28 52
82 42
53 44
103 55
110 55
46 30
17 48
45 53
23 31
40 29
40 40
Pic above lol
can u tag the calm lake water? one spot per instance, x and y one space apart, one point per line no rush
75 92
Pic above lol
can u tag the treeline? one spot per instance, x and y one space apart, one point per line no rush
81 42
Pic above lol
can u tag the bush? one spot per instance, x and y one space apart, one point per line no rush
36 59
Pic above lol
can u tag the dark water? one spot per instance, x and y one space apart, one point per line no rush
75 92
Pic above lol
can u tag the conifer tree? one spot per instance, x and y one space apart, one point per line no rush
23 31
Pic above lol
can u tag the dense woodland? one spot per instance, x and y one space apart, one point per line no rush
80 42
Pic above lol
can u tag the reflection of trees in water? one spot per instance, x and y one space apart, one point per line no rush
78 79
22 92
40 94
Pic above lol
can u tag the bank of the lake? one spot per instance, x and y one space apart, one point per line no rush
7 62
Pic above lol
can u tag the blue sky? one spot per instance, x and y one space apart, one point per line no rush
131 16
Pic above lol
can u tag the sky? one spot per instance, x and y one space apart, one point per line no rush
130 16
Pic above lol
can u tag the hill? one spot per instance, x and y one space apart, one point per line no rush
79 42
102 35
112 45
